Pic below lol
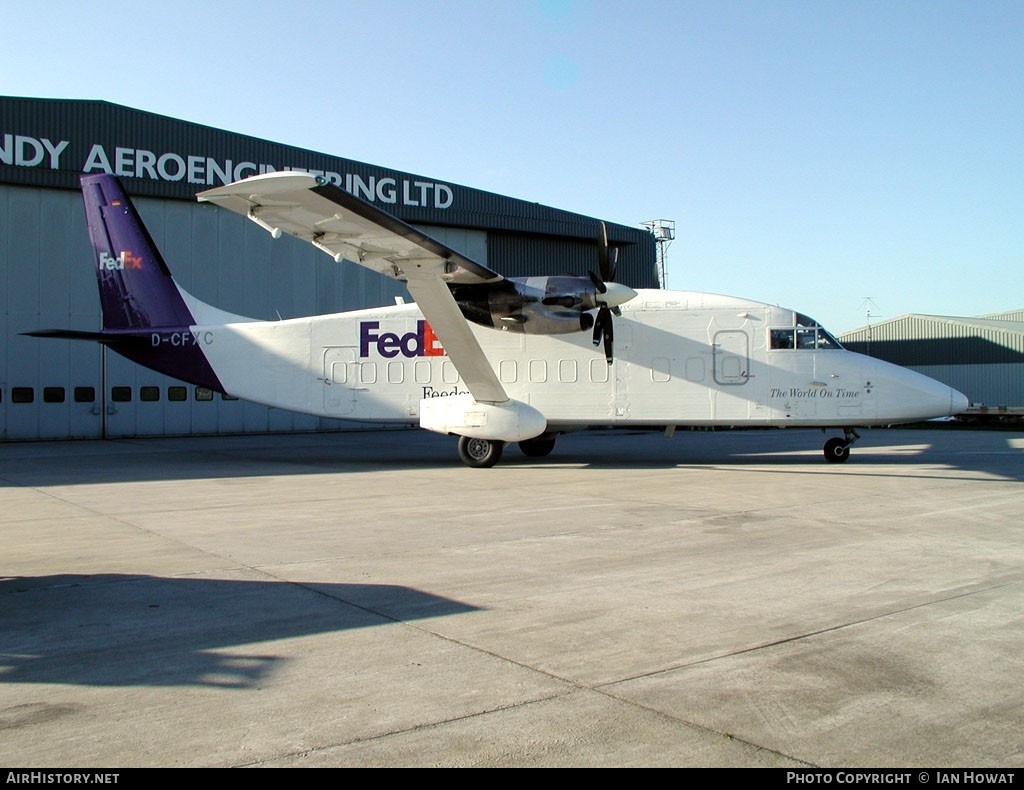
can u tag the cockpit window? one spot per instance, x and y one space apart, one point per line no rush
807 333
825 339
807 337
782 338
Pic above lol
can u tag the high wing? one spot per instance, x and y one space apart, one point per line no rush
346 227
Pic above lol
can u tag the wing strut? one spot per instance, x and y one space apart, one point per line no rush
438 305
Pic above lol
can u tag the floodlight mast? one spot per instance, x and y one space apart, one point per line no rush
664 232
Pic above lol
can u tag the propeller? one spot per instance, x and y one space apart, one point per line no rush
603 329
610 294
605 258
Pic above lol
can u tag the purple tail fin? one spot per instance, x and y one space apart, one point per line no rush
136 288
145 317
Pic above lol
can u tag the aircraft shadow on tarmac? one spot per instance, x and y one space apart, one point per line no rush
884 452
124 630
140 460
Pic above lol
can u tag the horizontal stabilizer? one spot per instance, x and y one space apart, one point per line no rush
127 338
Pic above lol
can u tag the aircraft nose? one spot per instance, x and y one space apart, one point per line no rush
914 396
949 400
958 402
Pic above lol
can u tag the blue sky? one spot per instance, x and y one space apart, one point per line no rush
812 154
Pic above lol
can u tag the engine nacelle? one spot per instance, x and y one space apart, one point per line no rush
535 319
531 305
512 421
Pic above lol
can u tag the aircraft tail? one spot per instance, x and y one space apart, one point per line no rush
146 317
136 287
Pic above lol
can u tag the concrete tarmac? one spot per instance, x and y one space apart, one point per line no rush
362 599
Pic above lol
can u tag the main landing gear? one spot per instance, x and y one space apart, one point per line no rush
538 447
838 450
484 453
479 453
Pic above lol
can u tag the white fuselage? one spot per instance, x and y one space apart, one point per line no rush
681 358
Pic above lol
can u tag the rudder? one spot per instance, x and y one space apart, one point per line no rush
136 287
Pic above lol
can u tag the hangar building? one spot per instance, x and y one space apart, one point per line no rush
56 389
982 357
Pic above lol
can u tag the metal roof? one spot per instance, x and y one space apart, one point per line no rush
918 339
51 142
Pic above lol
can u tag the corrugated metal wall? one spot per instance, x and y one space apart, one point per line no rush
50 142
523 256
981 357
990 385
930 340
1009 315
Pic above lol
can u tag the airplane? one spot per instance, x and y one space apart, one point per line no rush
489 359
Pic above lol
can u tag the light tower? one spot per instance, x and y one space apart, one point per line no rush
664 232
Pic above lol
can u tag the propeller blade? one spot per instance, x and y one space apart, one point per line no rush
608 334
602 253
607 257
603 330
610 294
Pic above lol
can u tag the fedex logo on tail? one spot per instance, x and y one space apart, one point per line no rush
123 261
421 343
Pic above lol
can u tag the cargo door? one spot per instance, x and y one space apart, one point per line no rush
731 357
731 363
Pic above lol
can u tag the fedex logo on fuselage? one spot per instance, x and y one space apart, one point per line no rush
421 343
123 261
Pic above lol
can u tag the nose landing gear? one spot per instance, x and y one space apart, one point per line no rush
838 450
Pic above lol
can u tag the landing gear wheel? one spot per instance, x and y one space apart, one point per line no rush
836 450
538 447
479 453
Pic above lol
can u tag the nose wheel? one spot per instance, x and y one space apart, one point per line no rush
837 450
